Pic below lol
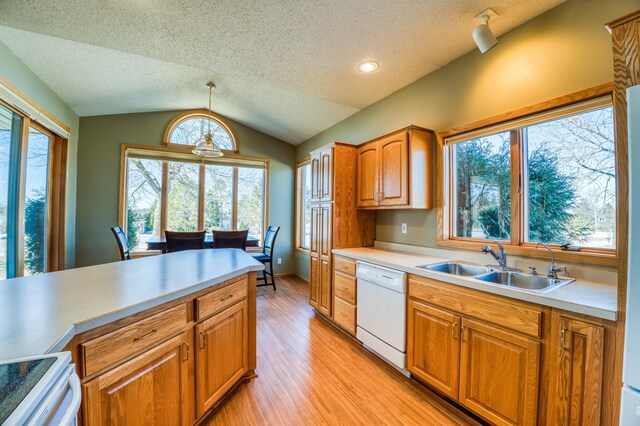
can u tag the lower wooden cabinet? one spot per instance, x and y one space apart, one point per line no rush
433 347
577 357
222 355
314 281
155 388
499 374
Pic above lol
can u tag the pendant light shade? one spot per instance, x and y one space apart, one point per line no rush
206 145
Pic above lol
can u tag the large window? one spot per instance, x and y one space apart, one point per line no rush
303 206
187 128
166 190
548 178
29 229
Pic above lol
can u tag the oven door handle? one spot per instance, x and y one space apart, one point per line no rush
70 416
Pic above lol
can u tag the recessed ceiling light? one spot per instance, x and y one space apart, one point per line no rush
368 66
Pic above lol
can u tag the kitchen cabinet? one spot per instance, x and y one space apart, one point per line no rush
474 348
222 356
345 293
576 371
160 368
153 388
499 374
433 347
335 220
396 170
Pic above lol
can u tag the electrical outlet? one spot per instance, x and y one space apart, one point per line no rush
404 228
279 261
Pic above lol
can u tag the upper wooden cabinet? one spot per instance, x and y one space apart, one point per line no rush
396 170
322 175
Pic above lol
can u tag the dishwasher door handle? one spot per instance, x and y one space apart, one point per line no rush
70 416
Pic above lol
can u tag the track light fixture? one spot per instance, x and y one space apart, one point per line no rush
482 34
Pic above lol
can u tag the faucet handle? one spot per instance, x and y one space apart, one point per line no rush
533 271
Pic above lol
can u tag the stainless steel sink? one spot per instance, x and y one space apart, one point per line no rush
533 283
456 268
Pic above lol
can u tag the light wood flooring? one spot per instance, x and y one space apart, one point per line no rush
310 373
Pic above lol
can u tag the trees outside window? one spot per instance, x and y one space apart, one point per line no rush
197 195
564 169
303 206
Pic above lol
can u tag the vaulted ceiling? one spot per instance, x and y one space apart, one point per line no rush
287 68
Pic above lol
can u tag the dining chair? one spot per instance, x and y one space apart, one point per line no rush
123 243
267 256
230 239
179 241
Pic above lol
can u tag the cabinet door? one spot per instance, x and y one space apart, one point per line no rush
433 349
316 180
222 354
314 281
316 231
326 175
499 374
367 185
155 388
576 372
394 170
325 228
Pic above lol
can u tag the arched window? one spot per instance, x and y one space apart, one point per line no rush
188 127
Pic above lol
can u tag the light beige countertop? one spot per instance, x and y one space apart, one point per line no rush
581 296
41 314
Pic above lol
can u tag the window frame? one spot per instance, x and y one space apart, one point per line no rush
170 153
299 220
514 121
199 113
55 233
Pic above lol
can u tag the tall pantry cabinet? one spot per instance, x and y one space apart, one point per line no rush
335 220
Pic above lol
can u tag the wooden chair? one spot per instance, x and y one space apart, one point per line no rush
123 243
230 239
267 256
179 241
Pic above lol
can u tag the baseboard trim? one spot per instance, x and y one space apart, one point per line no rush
301 278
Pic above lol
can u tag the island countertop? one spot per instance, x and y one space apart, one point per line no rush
41 314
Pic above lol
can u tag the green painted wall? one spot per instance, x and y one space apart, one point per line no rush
99 176
561 51
19 75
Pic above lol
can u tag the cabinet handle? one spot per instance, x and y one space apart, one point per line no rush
146 336
227 297
462 330
563 335
185 351
453 331
203 340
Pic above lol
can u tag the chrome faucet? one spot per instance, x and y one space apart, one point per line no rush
500 257
553 269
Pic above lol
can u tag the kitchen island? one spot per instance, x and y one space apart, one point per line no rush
158 337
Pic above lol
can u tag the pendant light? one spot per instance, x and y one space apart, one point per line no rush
206 146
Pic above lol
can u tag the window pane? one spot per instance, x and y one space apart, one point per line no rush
9 147
571 183
35 226
189 131
482 187
218 197
251 200
306 205
144 194
182 196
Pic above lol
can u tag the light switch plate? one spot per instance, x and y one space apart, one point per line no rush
279 261
404 228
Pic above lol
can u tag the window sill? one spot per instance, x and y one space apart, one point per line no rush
303 251
591 258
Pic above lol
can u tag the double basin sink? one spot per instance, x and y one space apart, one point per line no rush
513 279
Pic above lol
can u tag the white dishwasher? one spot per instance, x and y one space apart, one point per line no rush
382 311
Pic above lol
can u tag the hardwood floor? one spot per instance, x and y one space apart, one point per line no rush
311 373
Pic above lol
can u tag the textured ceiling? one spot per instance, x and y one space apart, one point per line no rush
287 68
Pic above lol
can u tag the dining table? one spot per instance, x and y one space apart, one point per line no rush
158 242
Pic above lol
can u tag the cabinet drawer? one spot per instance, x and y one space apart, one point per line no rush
346 266
518 316
219 299
345 315
344 287
110 348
